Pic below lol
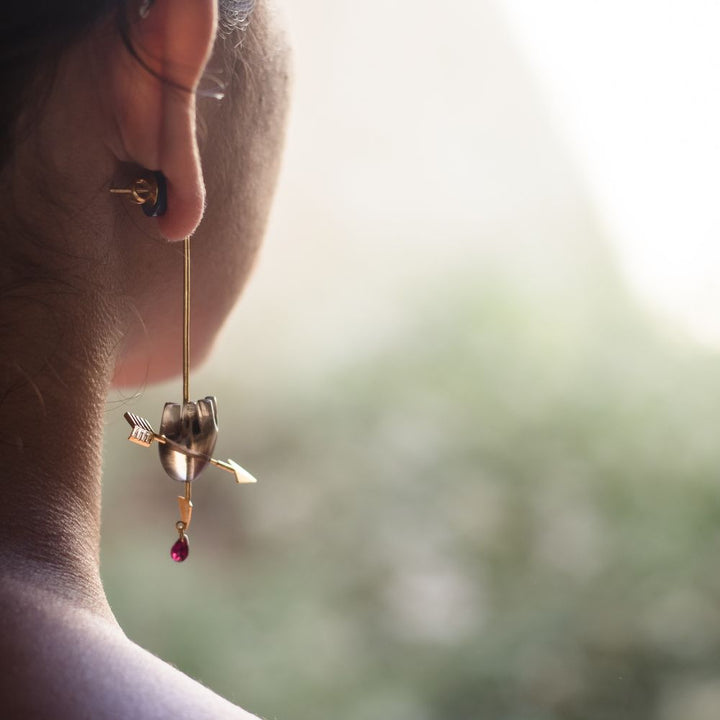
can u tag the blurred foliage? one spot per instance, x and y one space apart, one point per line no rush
511 511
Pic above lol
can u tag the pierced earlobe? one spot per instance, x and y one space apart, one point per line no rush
149 191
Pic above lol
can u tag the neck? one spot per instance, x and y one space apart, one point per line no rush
56 359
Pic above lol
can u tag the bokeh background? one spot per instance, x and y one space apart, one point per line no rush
476 372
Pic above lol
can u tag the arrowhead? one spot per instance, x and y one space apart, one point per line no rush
242 476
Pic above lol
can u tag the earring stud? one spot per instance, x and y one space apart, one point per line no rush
149 191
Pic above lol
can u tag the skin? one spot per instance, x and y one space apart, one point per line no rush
89 292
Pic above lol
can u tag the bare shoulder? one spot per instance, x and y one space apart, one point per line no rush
62 662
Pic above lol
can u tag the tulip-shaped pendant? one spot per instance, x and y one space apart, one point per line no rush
192 426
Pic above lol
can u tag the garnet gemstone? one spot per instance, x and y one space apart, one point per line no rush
180 550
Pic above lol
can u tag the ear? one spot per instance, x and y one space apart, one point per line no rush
154 101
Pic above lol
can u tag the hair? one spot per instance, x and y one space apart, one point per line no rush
35 33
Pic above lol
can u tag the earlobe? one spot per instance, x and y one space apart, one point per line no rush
154 101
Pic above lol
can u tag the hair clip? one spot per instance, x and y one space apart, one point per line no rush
144 9
188 431
212 85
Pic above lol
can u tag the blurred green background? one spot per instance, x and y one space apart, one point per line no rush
488 476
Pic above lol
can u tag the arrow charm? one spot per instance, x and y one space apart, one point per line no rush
143 434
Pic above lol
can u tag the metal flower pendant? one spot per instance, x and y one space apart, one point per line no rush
192 431
186 441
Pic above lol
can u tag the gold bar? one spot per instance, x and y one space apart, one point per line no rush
186 324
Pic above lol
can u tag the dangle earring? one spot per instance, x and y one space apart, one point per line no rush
187 432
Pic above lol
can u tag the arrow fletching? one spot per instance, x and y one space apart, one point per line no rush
142 432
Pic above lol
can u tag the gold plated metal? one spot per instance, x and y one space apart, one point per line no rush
142 434
185 505
150 191
143 190
186 324
242 476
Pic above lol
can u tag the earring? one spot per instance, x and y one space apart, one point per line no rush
149 191
188 431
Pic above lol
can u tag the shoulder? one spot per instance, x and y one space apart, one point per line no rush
61 662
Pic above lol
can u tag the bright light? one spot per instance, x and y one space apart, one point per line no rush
635 87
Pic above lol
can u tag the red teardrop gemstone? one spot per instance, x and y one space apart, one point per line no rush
180 550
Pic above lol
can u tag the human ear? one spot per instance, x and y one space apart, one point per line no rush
153 101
